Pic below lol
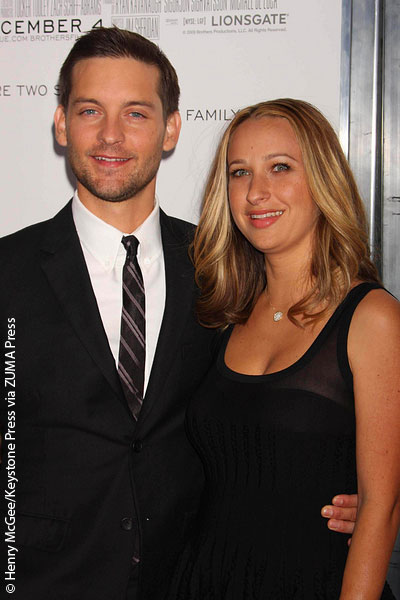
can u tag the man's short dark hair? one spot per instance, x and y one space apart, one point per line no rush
119 43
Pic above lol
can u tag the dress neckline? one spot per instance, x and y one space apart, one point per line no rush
305 357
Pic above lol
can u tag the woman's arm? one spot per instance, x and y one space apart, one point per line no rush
374 355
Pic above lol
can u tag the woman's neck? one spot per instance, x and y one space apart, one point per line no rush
287 280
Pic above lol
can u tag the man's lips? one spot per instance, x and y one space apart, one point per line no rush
110 160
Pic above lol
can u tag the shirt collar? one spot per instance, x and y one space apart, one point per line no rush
103 241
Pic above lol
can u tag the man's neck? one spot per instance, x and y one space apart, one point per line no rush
126 216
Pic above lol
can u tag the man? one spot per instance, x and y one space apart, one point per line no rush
107 485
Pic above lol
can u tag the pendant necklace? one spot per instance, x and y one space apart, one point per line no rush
278 314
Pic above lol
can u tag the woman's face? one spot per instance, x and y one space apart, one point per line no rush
268 192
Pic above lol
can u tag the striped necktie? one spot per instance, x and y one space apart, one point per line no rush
132 348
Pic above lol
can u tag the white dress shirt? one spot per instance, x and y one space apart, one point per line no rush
105 257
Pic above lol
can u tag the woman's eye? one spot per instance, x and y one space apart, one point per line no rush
280 167
239 172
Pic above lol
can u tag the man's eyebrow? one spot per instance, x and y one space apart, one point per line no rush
139 103
83 100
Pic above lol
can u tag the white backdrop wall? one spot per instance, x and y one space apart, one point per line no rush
228 53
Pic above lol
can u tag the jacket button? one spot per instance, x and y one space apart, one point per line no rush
137 446
127 523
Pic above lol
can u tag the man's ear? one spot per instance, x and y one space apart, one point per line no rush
172 131
60 125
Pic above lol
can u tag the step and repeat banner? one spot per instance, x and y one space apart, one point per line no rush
227 53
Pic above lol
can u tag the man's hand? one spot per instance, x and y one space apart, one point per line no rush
341 513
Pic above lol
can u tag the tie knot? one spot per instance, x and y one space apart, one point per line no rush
131 245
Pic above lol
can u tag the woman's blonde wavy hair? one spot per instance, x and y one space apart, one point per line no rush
231 272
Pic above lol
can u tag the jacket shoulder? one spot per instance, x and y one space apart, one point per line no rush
176 233
29 237
181 225
26 243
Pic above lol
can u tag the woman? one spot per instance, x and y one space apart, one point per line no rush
307 379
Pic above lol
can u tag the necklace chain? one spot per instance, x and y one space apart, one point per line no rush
278 314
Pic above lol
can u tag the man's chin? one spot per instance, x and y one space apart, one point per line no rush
112 195
115 200
114 191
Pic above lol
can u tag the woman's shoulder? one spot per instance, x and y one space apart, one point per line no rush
376 321
378 305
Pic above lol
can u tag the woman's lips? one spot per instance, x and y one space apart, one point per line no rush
264 215
265 218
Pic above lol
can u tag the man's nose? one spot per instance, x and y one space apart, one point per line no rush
111 131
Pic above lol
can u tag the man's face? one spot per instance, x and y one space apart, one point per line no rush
114 129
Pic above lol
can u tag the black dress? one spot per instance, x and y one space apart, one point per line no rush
275 449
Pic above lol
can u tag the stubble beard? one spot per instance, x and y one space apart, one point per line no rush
111 191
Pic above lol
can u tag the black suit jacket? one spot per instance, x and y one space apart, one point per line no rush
91 482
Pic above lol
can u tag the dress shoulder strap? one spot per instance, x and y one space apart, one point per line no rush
349 305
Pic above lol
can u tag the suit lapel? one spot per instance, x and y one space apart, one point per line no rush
65 268
179 301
